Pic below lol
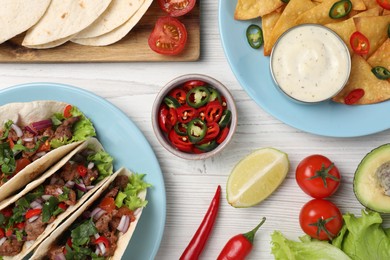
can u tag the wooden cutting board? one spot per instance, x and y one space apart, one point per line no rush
134 47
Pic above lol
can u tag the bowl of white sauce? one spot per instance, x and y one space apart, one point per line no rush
310 63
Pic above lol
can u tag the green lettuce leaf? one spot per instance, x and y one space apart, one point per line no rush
364 237
283 249
103 162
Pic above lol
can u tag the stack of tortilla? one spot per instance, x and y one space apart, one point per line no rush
50 23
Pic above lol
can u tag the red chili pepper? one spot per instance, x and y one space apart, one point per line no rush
9 232
33 212
222 135
359 43
354 96
192 84
62 206
186 113
180 142
385 4
239 246
214 111
20 225
212 132
103 240
82 170
67 110
198 241
179 94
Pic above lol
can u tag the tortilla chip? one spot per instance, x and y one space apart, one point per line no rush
319 14
287 20
381 57
374 28
249 9
375 90
386 12
370 3
357 5
268 23
345 28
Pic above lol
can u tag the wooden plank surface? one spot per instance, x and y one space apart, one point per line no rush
133 47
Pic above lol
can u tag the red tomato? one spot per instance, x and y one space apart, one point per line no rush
7 212
21 164
385 4
82 170
359 43
177 7
320 219
168 37
317 176
2 233
20 225
107 204
67 111
44 147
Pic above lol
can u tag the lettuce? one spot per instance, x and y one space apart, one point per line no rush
364 237
103 162
283 249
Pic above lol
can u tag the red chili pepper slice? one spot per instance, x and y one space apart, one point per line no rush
2 233
167 118
385 4
67 111
354 96
33 212
179 94
82 170
20 225
186 113
223 102
198 241
359 43
180 142
9 232
222 135
103 240
187 86
62 206
212 132
214 111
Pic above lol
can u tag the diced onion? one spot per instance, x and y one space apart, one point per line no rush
60 256
124 224
59 191
32 219
90 187
40 154
46 197
31 130
17 130
69 184
2 240
102 248
35 205
90 165
42 124
80 186
28 139
97 213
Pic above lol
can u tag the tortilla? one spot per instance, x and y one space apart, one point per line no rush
123 239
64 18
117 13
375 90
91 143
17 16
249 9
118 33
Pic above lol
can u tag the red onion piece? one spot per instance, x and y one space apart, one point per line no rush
17 130
42 124
124 224
31 129
2 240
90 187
69 184
80 186
97 213
60 256
32 219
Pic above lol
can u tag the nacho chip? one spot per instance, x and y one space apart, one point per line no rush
381 57
249 9
374 28
319 14
357 5
370 3
345 28
375 90
287 20
268 23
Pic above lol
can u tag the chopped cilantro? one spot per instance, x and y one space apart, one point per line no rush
7 160
81 234
65 194
7 127
48 209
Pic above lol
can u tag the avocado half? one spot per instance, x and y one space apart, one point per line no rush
367 185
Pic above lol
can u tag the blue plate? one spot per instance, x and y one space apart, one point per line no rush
124 141
251 69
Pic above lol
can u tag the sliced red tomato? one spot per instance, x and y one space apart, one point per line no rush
44 147
82 170
20 225
9 232
320 219
317 176
177 7
7 212
168 37
62 206
214 111
21 164
359 43
67 112
180 142
107 204
33 212
186 113
385 4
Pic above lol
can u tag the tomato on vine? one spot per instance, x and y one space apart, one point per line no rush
317 176
321 219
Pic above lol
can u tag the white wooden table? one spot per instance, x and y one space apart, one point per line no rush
190 185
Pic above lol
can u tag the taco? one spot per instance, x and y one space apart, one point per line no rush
30 216
103 226
34 136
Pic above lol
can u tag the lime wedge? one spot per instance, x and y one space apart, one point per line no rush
256 176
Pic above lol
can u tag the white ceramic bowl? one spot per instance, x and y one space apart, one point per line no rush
162 137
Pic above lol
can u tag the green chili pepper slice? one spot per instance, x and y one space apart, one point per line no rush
206 147
214 95
381 72
171 102
340 9
198 96
254 35
180 128
196 130
225 118
285 1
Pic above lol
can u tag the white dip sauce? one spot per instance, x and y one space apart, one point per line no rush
310 63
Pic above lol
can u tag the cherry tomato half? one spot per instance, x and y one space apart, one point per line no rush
385 4
317 176
359 43
177 7
107 204
321 219
168 37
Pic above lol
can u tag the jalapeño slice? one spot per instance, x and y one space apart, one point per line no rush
340 9
171 102
196 130
198 96
254 35
381 72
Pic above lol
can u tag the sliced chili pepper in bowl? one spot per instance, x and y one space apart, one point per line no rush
222 135
214 95
225 118
207 147
196 130
340 9
171 102
186 113
198 97
214 111
180 128
180 142
179 94
167 118
212 132
381 72
359 43
188 85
